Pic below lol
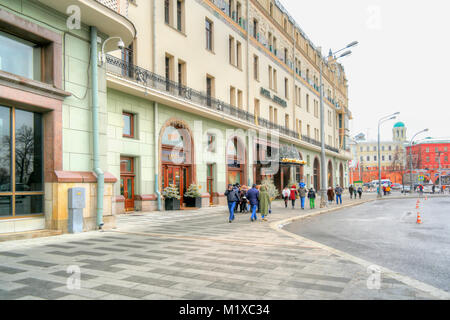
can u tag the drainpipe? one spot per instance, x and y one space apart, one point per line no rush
156 155
156 114
95 128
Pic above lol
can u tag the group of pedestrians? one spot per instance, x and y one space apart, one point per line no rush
253 198
257 199
293 194
353 191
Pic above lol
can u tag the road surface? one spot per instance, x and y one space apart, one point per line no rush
386 233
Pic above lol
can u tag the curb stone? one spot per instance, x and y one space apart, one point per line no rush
279 225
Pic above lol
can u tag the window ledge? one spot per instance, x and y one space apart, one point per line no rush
19 81
175 29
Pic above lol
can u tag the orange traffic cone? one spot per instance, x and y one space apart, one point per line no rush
419 219
417 206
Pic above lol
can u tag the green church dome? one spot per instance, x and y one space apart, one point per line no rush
399 125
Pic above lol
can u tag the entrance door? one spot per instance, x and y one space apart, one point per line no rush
127 190
127 177
210 183
178 176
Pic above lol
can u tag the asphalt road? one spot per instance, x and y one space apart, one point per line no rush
386 234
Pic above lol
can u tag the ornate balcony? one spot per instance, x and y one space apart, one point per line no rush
119 6
121 68
109 16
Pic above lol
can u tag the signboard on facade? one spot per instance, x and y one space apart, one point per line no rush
266 93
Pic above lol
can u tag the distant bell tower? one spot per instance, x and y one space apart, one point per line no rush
399 132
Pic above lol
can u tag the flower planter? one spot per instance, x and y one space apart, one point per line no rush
172 204
193 202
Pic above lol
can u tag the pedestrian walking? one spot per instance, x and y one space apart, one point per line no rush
244 200
384 190
232 195
433 188
330 194
264 203
252 196
302 193
360 191
351 189
312 198
286 193
338 191
293 195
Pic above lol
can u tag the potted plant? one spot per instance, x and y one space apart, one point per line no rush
171 198
271 189
193 197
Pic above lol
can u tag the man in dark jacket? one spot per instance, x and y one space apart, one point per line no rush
252 196
351 189
232 195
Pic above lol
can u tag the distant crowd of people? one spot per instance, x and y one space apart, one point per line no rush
257 199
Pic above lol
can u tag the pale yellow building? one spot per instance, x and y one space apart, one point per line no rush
393 153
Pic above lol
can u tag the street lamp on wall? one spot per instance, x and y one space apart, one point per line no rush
102 55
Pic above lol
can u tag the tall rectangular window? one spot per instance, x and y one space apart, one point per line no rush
238 54
308 130
257 111
270 113
180 15
167 10
286 88
275 80
270 78
128 125
22 166
286 121
307 103
275 115
238 13
240 99
209 90
231 51
256 67
255 28
232 96
209 34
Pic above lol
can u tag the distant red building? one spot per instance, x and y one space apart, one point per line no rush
426 155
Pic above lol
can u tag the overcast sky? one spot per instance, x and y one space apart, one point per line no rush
402 62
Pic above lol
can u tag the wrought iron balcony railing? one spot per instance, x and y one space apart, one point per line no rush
149 79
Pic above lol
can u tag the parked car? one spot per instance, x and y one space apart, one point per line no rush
429 189
396 186
406 189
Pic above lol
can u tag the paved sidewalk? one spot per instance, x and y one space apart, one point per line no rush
189 255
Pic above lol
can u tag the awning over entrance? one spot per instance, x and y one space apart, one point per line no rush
290 155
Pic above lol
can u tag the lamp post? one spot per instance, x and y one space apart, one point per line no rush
323 200
410 158
382 120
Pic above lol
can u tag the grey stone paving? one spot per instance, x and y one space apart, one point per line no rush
187 255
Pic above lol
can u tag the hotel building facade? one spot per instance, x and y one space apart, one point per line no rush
204 92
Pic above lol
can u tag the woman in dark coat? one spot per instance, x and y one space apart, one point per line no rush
330 194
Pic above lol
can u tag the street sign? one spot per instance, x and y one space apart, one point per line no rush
421 178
